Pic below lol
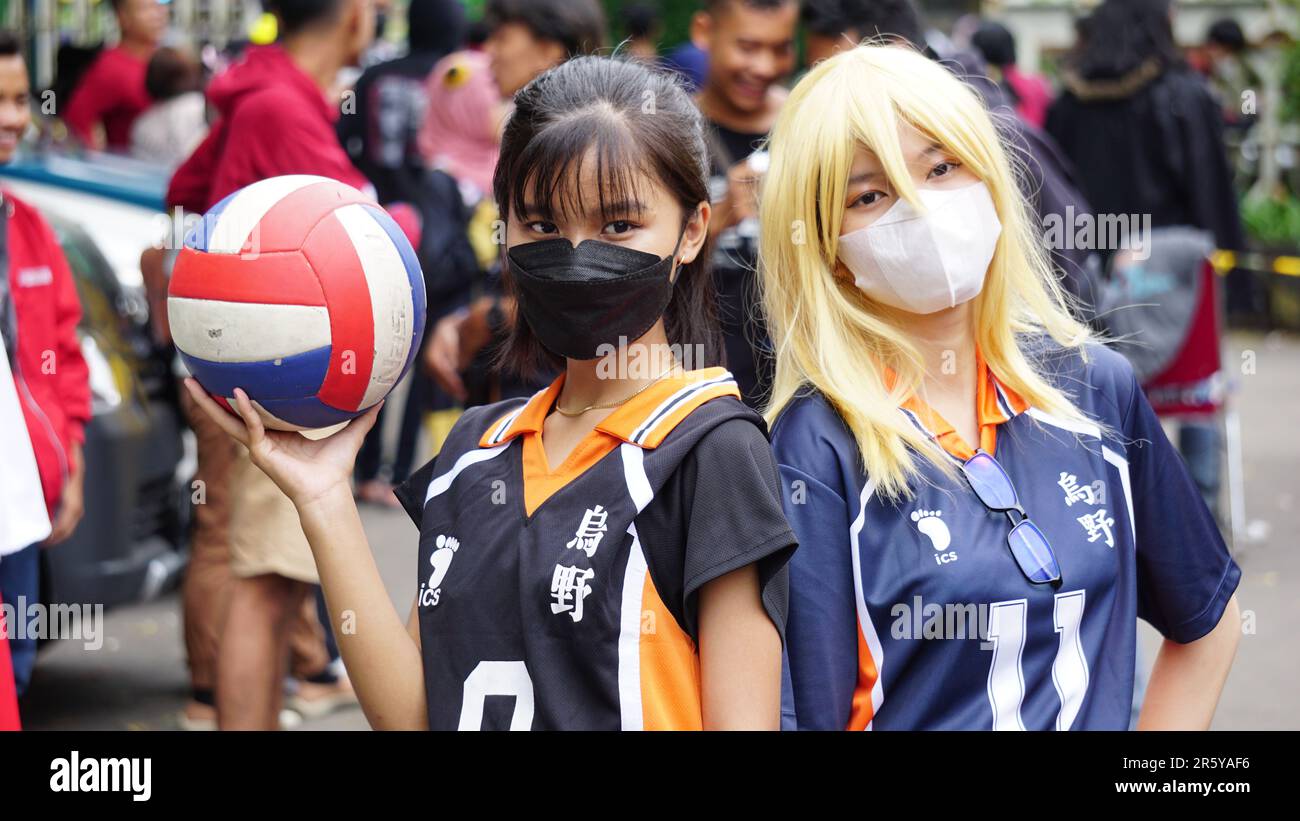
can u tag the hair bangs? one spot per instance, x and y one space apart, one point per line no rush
553 178
955 121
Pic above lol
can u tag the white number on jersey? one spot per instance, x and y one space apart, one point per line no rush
1006 683
497 678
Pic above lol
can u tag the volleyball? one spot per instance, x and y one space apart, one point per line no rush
303 292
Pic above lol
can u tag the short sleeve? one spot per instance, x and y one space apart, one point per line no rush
821 649
411 493
722 512
822 631
735 517
1185 575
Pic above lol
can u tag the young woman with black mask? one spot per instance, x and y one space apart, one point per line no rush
611 552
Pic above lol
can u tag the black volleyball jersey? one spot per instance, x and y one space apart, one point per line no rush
565 598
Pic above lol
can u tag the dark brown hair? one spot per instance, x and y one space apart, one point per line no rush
10 45
172 72
577 25
640 124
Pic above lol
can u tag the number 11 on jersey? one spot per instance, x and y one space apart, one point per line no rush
1006 682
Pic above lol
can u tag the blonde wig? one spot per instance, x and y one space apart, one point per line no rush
827 333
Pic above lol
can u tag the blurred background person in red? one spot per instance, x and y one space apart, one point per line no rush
1147 137
39 312
111 94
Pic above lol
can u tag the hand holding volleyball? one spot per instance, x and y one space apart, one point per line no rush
304 293
305 469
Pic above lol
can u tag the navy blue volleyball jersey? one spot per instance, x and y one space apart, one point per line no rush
915 615
565 597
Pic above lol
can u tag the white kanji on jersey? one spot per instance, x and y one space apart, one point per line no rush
1073 491
1099 524
568 589
590 531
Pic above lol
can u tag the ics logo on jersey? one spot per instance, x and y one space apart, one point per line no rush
931 524
445 551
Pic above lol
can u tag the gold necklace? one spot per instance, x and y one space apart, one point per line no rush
623 401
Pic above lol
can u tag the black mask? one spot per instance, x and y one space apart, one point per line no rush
577 299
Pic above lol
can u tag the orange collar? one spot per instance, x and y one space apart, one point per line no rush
645 420
995 403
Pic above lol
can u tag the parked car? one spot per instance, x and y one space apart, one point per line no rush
132 543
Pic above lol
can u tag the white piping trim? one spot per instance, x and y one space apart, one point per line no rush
1121 465
440 484
654 419
631 711
1085 428
864 617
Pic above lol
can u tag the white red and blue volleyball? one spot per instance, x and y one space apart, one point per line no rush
304 293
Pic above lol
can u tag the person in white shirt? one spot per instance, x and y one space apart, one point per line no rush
169 130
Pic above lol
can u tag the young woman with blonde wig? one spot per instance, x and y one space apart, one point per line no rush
983 498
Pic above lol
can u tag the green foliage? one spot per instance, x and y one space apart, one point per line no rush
1272 220
1291 85
674 17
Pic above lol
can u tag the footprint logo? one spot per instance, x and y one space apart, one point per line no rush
929 523
441 559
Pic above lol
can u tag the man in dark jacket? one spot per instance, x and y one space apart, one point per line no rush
39 312
378 129
274 117
1143 128
1146 134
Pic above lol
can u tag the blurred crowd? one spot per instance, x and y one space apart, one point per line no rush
1131 124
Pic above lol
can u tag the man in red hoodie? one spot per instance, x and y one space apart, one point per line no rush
277 107
39 312
277 111
112 92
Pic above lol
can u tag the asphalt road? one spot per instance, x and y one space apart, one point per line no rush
137 680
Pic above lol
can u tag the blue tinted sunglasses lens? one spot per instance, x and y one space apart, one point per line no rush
1033 553
991 482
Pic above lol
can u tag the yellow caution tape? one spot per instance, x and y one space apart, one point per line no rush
1225 261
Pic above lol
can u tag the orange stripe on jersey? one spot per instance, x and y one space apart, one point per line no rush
540 481
529 418
660 431
670 669
645 420
988 411
648 418
862 711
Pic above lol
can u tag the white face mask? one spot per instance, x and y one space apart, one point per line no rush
923 263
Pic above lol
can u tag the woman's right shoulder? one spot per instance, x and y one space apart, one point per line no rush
809 435
472 425
465 435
